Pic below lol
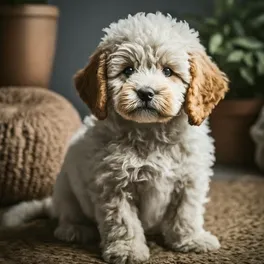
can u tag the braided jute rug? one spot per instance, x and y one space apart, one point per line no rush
235 214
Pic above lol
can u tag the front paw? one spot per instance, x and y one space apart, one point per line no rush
75 233
126 252
202 243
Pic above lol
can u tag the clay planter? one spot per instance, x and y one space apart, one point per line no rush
230 124
27 44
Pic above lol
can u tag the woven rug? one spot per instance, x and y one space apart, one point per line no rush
235 214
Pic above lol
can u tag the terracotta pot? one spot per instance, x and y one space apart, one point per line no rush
27 46
230 124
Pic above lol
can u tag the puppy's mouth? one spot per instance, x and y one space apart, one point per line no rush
145 108
149 110
144 112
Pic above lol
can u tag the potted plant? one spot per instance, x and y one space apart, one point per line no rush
234 38
28 29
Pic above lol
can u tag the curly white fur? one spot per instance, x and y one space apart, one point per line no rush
132 178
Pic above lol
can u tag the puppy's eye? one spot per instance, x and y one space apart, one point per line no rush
128 71
167 72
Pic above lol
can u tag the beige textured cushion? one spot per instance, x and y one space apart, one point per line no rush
35 127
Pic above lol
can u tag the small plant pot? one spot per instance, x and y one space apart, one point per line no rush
27 46
230 124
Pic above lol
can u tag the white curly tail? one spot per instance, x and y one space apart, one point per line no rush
26 211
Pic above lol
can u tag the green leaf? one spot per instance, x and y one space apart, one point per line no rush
215 42
227 29
260 56
258 21
211 21
260 64
221 51
249 59
219 8
230 3
238 28
248 43
247 75
260 68
229 46
235 56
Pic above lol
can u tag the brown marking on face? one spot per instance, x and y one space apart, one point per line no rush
165 102
125 104
127 107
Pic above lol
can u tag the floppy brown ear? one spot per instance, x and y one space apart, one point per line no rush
208 86
91 84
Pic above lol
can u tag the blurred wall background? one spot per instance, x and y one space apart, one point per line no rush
80 29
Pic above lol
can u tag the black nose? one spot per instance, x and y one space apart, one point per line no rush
145 94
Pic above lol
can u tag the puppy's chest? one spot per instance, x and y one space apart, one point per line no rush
152 199
152 168
151 182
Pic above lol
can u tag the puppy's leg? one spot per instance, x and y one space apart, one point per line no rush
72 232
73 225
122 235
183 224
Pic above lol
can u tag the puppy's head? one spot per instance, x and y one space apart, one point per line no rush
147 69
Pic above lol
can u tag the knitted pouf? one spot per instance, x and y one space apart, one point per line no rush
35 127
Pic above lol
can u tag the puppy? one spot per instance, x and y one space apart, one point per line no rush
143 163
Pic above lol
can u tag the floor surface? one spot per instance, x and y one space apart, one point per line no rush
235 214
222 172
